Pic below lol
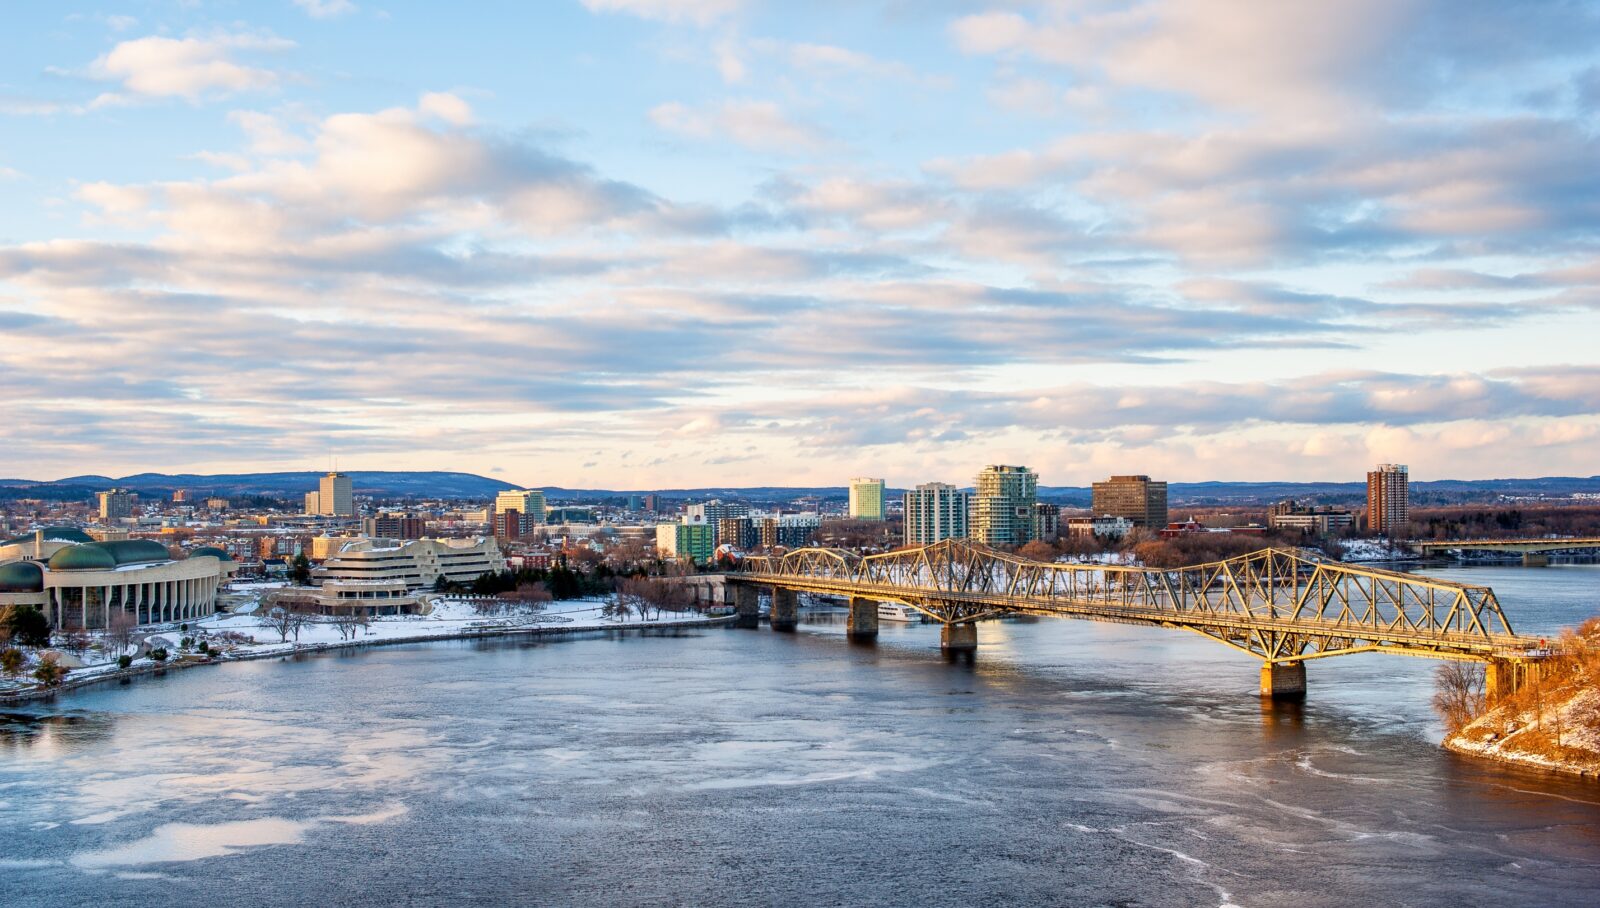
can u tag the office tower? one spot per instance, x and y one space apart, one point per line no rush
313 503
335 496
1388 499
652 503
115 504
866 499
1138 498
529 505
935 511
1002 507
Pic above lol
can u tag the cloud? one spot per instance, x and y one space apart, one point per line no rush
326 9
699 12
158 66
757 125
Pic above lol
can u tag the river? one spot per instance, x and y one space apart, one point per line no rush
1068 763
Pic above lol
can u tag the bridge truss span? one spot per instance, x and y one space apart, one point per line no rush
1281 605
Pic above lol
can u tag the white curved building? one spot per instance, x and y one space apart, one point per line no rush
81 585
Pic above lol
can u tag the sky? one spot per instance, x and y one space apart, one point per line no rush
678 243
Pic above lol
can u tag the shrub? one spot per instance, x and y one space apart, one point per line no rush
124 661
159 654
204 647
50 672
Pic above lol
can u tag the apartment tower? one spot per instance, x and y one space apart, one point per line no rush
935 511
1002 508
1388 499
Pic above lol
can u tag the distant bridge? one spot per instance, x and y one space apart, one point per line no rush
1525 547
1283 606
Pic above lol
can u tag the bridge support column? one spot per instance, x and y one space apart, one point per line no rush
957 638
747 605
1535 559
1504 677
1283 680
863 622
785 609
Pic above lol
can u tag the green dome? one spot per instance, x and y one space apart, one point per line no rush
137 551
89 557
211 550
53 534
105 556
21 577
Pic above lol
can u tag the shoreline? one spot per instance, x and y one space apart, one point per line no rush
1518 761
180 663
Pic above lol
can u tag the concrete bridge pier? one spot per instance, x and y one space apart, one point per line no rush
959 638
1535 559
863 622
785 609
1283 680
746 605
1504 677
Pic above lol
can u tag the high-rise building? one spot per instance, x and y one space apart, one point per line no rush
508 524
335 497
685 541
866 499
935 511
115 504
652 503
1138 498
528 503
739 532
1002 507
1388 499
1047 521
790 531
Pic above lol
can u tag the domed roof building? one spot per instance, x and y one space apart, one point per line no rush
77 582
41 543
21 577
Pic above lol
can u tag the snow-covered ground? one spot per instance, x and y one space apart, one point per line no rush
1375 550
248 636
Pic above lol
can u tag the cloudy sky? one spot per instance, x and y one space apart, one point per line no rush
654 243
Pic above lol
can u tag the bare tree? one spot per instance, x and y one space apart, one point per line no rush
1458 698
350 623
287 617
649 596
119 633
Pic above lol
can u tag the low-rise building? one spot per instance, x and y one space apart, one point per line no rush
83 585
420 563
1103 527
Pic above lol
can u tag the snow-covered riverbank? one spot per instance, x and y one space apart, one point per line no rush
237 637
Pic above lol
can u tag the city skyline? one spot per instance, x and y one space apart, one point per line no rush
683 243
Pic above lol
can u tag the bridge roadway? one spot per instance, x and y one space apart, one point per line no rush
1282 606
1532 550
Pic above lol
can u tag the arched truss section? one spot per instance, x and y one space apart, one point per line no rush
1280 604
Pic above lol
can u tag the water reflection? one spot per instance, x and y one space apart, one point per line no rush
1067 762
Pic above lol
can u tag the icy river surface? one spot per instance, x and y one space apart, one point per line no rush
1068 763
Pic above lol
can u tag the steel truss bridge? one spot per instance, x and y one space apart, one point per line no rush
1283 606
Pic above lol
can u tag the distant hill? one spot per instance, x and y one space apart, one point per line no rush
439 484
422 484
